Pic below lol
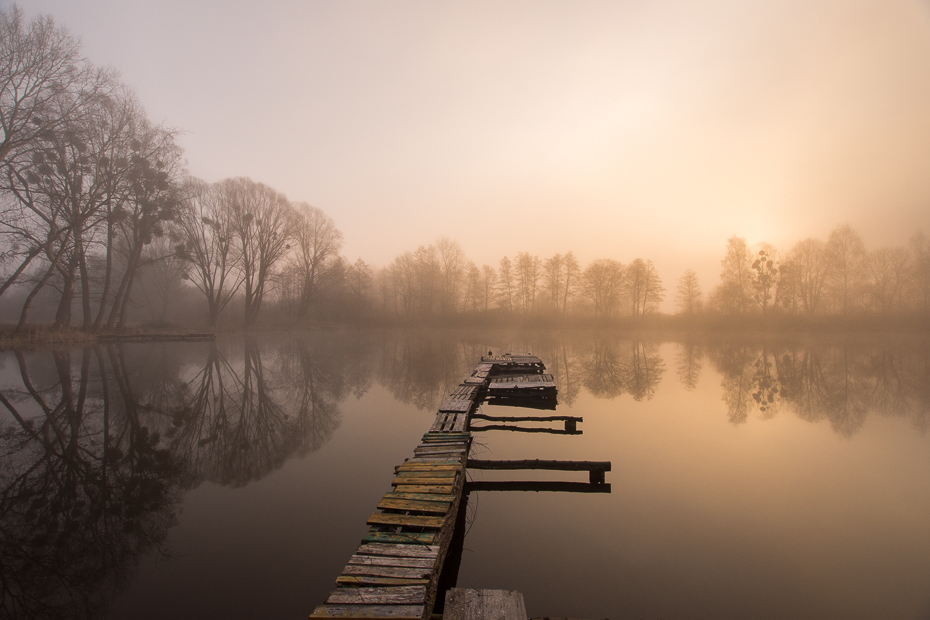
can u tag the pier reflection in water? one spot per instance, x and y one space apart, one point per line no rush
750 479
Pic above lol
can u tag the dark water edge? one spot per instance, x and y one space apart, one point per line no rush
233 478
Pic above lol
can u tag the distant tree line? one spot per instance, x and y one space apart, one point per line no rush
438 280
839 276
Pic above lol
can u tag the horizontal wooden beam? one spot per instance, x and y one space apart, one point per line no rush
540 464
558 487
528 418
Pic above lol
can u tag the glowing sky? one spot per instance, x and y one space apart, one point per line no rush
613 129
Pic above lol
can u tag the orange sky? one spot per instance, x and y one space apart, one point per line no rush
614 129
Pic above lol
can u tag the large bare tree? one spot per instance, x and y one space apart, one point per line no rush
262 221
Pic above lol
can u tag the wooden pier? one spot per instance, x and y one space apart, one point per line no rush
395 572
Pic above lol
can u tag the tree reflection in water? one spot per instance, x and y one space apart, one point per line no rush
96 454
841 383
621 367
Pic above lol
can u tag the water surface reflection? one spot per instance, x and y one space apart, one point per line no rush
100 445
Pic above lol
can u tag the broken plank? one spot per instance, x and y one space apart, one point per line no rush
384 518
397 572
391 612
414 505
386 596
404 538
407 551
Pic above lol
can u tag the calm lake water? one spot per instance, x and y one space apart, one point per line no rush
751 478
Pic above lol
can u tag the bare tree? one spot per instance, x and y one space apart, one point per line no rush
688 293
736 277
644 287
318 242
554 280
847 257
205 242
889 271
488 281
261 219
527 273
572 277
452 263
812 269
603 285
44 83
505 284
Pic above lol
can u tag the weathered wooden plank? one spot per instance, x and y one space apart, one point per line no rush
475 380
432 458
381 560
435 466
372 612
406 487
448 453
449 443
452 405
396 572
385 518
354 581
435 461
403 538
409 595
429 473
422 481
460 422
408 504
423 497
439 424
407 551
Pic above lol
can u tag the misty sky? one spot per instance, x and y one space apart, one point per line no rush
613 129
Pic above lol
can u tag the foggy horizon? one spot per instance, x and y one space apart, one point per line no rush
613 131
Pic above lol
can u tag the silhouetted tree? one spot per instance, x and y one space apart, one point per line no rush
846 255
261 221
688 293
